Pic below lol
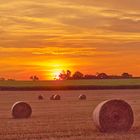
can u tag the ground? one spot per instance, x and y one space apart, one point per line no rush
91 82
67 119
133 83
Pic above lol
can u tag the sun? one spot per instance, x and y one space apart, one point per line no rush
57 67
56 75
53 68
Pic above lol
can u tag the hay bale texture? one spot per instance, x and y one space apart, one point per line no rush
56 97
113 116
52 97
40 97
21 110
82 97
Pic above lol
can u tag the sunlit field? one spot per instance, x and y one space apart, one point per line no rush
103 82
67 119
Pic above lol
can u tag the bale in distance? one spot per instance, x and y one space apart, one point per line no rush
113 116
21 110
56 97
82 97
52 97
40 97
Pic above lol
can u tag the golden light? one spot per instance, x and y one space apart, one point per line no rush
55 74
55 67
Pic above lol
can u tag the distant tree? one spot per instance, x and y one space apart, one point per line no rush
102 76
126 75
2 79
78 75
68 74
65 75
11 79
88 76
34 78
62 75
114 76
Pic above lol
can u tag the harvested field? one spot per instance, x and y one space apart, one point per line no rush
68 119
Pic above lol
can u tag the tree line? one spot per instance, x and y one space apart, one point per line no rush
67 75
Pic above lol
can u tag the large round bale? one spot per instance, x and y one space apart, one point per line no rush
56 97
82 97
52 97
21 110
40 97
113 116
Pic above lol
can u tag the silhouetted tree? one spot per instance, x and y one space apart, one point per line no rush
2 79
114 76
102 76
34 78
88 76
78 75
65 75
126 75
68 74
11 79
62 75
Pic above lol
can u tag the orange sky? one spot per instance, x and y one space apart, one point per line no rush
43 37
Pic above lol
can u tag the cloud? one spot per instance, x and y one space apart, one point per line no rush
115 4
42 23
73 52
92 34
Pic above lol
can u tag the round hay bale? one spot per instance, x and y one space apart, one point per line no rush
40 97
113 116
56 97
82 97
21 110
52 97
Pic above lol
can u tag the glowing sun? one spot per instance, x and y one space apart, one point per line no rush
56 74
55 67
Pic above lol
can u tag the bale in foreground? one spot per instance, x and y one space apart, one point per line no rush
21 110
56 97
113 116
82 97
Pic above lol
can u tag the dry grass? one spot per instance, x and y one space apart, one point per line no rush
93 82
67 119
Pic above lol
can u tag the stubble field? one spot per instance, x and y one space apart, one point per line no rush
67 119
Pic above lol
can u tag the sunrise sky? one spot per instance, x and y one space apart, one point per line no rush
43 37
